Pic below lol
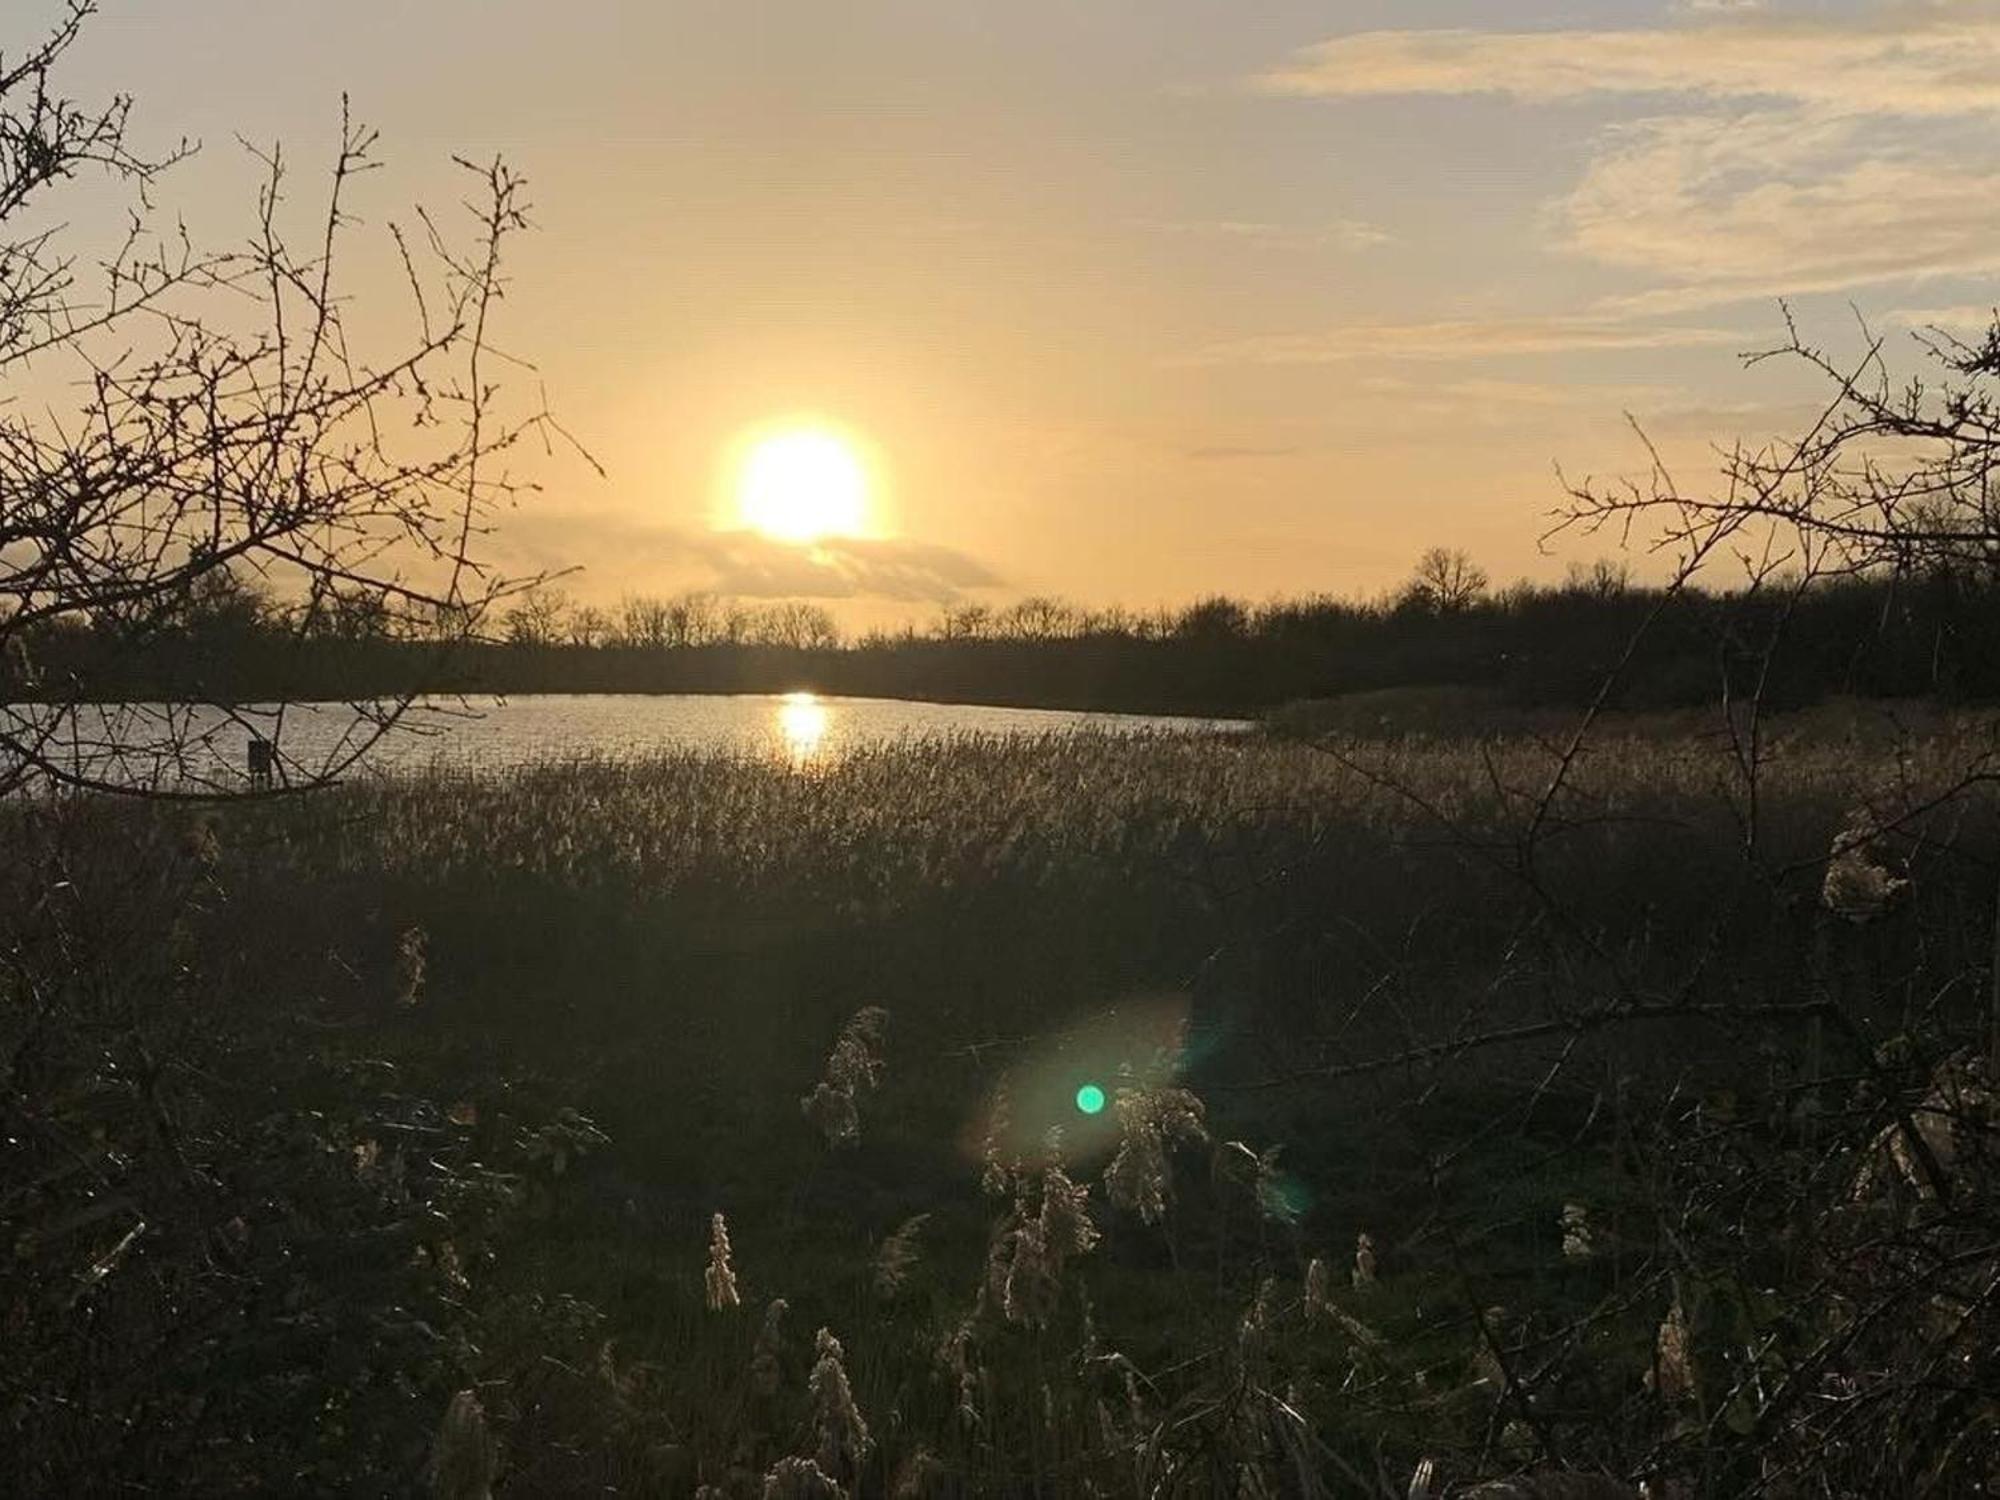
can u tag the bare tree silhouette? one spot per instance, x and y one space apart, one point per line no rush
226 430
1446 580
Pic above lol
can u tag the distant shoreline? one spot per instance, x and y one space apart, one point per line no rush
1525 652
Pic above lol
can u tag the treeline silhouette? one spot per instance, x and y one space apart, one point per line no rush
1535 645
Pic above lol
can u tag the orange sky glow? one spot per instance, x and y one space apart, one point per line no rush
1124 302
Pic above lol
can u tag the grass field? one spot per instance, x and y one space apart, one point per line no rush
436 1086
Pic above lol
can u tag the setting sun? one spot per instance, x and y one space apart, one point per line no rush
802 483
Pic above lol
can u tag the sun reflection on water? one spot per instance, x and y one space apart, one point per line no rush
802 721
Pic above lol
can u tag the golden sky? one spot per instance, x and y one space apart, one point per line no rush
1131 300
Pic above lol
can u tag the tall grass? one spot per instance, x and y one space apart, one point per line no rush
1327 1226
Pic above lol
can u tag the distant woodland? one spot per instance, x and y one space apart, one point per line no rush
1931 633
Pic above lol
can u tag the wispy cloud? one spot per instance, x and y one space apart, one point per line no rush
1972 317
903 571
1809 154
1228 453
613 550
1906 60
1346 235
1733 207
1517 393
1462 339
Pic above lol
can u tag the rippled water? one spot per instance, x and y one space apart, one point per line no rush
180 744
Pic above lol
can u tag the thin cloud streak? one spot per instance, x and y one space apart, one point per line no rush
1228 454
744 564
1974 317
1462 339
1347 235
905 572
1511 392
1906 61
1830 154
1772 202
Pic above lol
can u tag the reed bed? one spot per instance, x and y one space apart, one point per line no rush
956 811
734 1105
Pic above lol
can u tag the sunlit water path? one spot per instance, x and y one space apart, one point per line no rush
491 735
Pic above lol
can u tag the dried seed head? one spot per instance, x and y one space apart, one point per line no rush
855 1064
1358 1332
409 981
1318 1288
853 1068
1149 1121
993 1277
767 1358
955 1355
898 1257
843 1436
1107 1429
1066 1229
1858 886
1673 1363
1577 1242
996 1179
1024 1264
833 1114
607 1370
801 1479
464 1456
922 1476
1486 1366
200 844
1253 1331
1364 1260
720 1278
1028 1284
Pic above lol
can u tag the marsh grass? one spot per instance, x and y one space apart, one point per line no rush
680 950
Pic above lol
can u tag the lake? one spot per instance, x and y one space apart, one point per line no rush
119 743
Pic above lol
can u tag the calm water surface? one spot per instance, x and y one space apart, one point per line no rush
494 734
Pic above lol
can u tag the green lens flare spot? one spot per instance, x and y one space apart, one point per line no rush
1090 1099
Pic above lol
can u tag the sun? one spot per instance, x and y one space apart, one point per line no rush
801 483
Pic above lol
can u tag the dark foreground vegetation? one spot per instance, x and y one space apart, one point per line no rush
1888 634
377 1140
1270 1116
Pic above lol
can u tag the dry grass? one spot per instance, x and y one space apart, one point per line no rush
1158 1300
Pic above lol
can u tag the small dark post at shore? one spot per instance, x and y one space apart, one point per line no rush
262 756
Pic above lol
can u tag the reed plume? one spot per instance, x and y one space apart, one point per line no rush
1025 1263
921 1476
955 1356
801 1479
844 1442
1578 1238
720 1276
1364 1260
1858 886
1150 1120
464 1456
410 965
767 1368
853 1068
1318 1296
1673 1356
898 1257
